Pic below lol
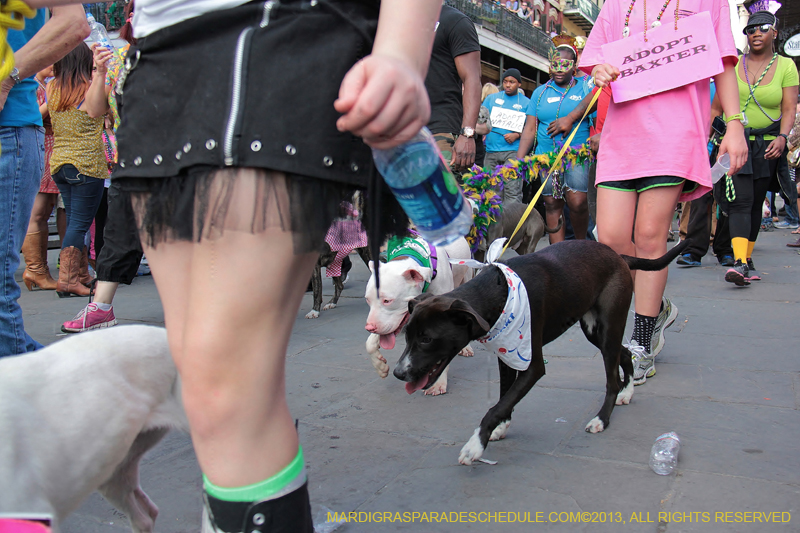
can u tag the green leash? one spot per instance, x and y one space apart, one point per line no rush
730 190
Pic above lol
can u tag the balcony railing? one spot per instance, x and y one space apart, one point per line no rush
586 8
501 21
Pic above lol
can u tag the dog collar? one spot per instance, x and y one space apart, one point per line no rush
415 248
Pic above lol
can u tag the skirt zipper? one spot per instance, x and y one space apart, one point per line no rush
234 115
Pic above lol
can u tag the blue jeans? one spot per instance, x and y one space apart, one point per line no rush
21 167
82 195
791 213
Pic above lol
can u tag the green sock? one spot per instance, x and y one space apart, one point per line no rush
284 482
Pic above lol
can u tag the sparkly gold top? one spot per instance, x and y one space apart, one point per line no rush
78 140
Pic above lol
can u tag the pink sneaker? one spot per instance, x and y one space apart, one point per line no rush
90 317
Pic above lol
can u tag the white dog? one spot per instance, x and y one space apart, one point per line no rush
78 415
402 280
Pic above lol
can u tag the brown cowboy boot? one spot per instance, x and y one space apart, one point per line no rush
83 274
68 275
37 273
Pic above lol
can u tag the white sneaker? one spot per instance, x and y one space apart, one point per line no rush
643 363
667 315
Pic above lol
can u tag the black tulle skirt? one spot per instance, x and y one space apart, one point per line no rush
228 123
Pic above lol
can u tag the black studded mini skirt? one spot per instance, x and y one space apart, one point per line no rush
238 104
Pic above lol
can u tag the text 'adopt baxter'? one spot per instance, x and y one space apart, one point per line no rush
660 49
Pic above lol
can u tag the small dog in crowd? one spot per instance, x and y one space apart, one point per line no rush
78 415
567 282
401 280
326 258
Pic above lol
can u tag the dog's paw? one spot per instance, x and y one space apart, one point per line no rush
467 351
595 425
438 388
312 314
624 396
329 306
501 430
472 450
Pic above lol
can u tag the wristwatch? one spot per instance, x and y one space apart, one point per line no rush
467 132
15 75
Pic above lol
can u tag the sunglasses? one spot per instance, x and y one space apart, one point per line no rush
764 28
560 66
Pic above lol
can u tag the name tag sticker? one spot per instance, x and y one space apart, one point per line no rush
553 99
499 101
669 59
507 119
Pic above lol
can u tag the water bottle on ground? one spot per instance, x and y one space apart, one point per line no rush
426 188
100 35
664 454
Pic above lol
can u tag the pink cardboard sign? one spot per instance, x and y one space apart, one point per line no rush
668 59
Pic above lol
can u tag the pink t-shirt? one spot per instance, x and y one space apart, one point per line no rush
665 134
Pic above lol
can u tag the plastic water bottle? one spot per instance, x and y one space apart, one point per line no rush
664 454
426 189
100 35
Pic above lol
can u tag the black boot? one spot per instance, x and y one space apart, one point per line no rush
291 513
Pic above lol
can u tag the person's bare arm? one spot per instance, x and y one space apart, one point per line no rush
716 107
594 142
484 122
50 3
527 137
469 70
788 104
564 124
383 97
63 32
96 101
733 142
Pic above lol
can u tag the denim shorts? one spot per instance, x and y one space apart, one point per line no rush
575 179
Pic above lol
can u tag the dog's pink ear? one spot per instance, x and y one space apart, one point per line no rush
371 266
478 326
413 276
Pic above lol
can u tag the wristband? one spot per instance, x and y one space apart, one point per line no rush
737 116
785 137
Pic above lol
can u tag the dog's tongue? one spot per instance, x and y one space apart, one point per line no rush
387 341
411 388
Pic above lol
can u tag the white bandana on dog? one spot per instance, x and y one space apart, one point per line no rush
510 336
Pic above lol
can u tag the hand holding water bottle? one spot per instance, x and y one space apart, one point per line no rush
102 57
100 37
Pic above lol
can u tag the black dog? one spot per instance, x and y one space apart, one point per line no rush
566 282
326 257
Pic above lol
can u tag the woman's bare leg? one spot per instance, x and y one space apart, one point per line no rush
42 208
578 212
615 215
230 351
653 220
553 211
